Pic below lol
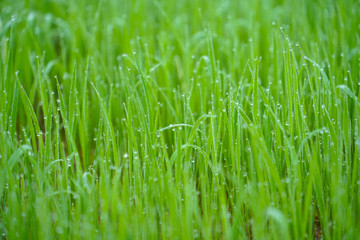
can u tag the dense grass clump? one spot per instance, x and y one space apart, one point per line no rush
183 119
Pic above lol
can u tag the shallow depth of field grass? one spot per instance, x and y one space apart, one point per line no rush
185 119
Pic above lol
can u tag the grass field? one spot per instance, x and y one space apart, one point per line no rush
185 119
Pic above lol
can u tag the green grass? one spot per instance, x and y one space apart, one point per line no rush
183 119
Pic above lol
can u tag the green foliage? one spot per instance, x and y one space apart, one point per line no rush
181 119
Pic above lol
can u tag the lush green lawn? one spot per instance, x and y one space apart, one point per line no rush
185 119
